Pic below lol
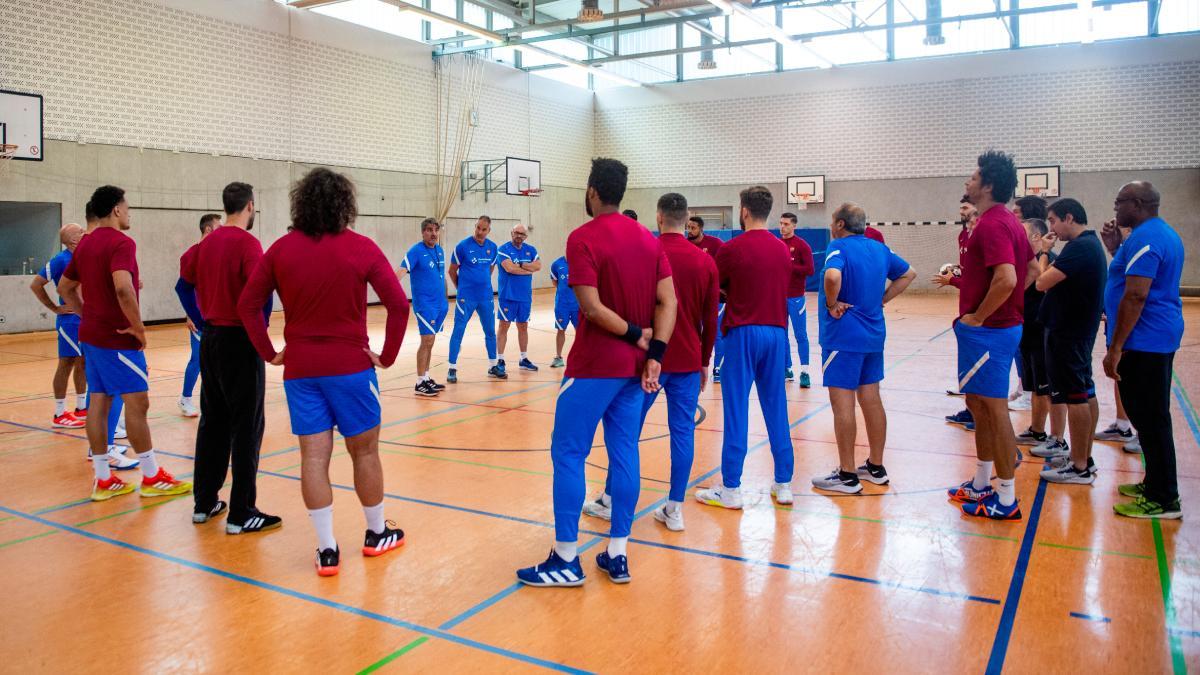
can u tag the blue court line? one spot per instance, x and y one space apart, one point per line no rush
826 573
1004 630
1187 413
1091 617
1183 632
400 623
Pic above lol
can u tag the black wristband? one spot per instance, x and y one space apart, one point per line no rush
657 347
633 333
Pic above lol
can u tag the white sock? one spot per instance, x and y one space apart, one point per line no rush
500 356
453 366
420 379
1007 491
148 463
492 363
606 499
616 546
322 520
60 406
374 516
1123 425
567 550
524 356
81 401
428 376
100 465
673 507
983 475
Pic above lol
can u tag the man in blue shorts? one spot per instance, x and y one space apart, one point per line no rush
426 262
471 268
566 307
623 280
997 265
66 325
518 263
861 275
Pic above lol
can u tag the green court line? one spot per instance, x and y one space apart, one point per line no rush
1164 578
394 655
134 510
1097 551
31 537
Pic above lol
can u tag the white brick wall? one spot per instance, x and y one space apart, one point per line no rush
138 73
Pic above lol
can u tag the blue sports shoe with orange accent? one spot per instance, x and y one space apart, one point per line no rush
617 567
554 572
990 507
968 494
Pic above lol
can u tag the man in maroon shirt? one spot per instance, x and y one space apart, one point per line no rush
872 233
755 270
802 268
685 367
623 281
997 265
233 377
710 245
114 339
321 269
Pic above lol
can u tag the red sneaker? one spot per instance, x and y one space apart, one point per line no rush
107 489
80 413
68 421
163 484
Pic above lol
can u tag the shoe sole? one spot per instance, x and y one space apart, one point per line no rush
532 370
327 571
958 499
1068 482
841 488
498 377
782 502
183 414
663 519
238 529
601 516
713 502
427 394
873 480
201 518
553 584
56 425
1114 439
110 495
1137 451
806 386
1176 515
621 580
1016 517
165 493
373 553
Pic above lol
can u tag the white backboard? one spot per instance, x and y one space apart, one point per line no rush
21 124
813 186
523 174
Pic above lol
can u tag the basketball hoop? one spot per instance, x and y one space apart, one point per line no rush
1034 191
802 200
532 192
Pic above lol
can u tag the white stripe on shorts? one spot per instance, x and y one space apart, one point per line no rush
566 385
375 391
71 342
829 360
427 324
133 366
974 369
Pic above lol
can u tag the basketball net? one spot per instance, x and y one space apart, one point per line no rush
1034 191
7 151
803 198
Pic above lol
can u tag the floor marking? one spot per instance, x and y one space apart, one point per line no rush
1008 617
1091 617
393 656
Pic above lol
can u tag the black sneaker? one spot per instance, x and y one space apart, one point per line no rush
199 517
1031 437
256 522
327 562
452 375
874 473
435 385
424 388
378 543
838 481
497 371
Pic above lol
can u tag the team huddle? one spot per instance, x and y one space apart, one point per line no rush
650 314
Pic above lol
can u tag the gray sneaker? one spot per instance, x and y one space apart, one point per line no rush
1134 446
838 481
1052 447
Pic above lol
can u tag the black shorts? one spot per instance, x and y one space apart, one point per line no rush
1034 377
1069 365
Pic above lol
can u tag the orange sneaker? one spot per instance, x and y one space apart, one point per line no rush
163 484
103 490
68 421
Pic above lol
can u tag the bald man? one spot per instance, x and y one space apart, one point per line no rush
518 263
66 324
1143 332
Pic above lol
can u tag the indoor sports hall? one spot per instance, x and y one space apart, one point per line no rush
291 239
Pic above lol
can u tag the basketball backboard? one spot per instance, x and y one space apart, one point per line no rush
21 124
524 176
1037 180
806 190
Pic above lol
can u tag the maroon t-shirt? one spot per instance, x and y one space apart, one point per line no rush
322 283
802 265
694 275
101 252
873 233
219 269
755 268
624 263
997 239
710 245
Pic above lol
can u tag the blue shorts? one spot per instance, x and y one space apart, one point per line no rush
115 371
850 370
514 312
349 402
430 316
562 317
985 357
68 336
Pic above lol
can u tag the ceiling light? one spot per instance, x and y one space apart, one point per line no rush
590 11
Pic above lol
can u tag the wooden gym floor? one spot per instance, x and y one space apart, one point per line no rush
895 579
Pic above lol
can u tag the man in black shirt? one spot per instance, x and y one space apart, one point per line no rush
1034 377
1074 287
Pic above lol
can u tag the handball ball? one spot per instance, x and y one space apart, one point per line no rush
951 268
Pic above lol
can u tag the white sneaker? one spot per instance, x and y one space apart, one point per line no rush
1134 446
729 498
1016 394
1021 402
117 458
1051 448
1069 474
120 432
187 408
673 521
782 492
836 482
597 509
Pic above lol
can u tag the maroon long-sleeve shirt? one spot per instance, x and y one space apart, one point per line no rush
803 266
322 283
694 274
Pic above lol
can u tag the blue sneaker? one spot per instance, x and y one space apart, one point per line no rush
716 378
617 568
962 417
526 364
554 572
969 426
452 375
968 494
990 507
497 371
